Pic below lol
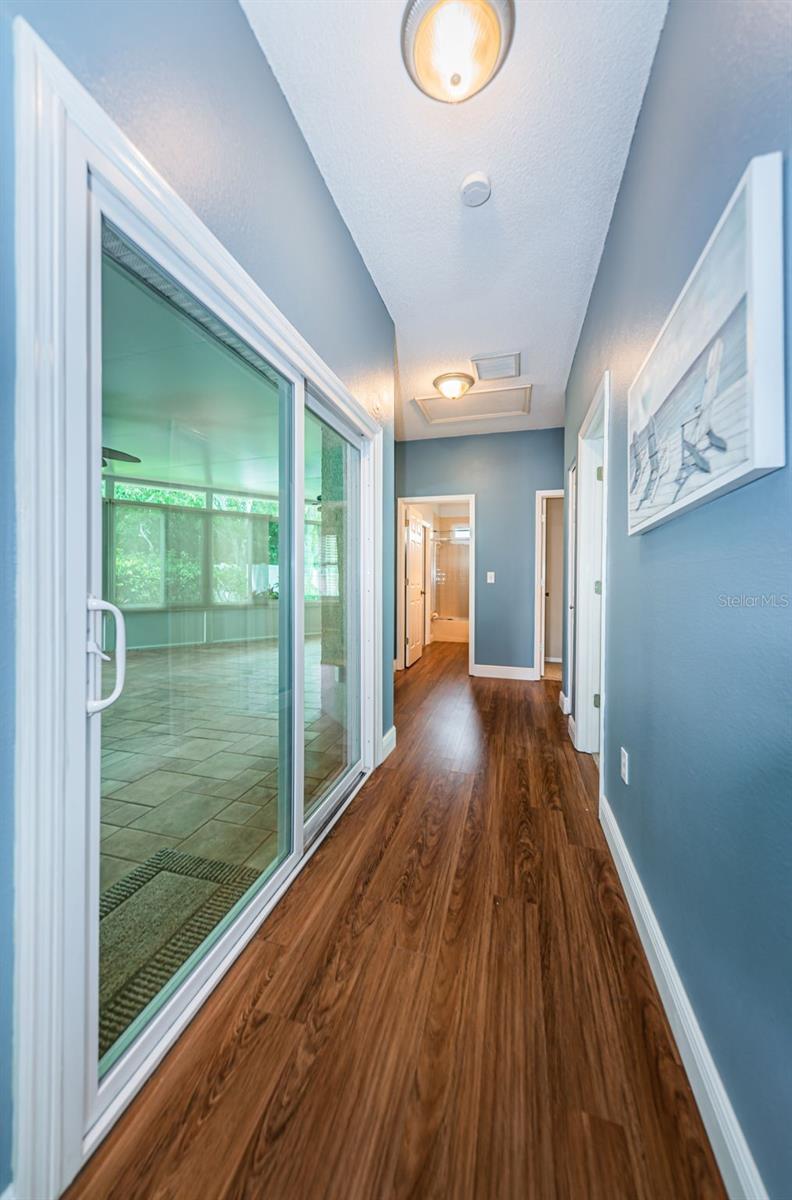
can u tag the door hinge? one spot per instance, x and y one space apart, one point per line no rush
596 699
597 587
599 474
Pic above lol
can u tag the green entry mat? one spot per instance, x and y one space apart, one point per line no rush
151 921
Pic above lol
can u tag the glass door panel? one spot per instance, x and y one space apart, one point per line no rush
196 753
332 612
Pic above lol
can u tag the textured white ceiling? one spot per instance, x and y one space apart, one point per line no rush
189 408
552 131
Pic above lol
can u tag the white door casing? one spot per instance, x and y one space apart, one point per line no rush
554 577
591 586
541 584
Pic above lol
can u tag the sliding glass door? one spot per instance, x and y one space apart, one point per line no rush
194 582
197 538
211 466
332 615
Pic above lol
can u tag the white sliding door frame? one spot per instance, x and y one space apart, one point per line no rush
73 165
402 504
103 1096
587 725
540 575
323 813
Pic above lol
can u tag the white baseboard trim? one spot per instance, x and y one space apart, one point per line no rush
571 727
740 1173
549 659
388 743
486 672
563 703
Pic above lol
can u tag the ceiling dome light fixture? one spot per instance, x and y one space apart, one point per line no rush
453 48
453 384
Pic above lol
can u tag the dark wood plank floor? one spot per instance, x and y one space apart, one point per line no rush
450 1002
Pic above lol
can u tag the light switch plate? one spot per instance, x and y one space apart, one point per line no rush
490 576
625 765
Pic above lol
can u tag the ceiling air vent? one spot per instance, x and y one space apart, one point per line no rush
497 366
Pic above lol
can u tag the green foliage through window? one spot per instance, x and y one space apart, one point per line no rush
139 538
149 494
245 504
226 554
184 558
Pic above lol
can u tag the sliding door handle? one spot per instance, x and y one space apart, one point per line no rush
96 605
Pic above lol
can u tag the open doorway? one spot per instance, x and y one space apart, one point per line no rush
435 576
549 575
586 724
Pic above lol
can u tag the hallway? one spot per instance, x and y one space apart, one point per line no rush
463 920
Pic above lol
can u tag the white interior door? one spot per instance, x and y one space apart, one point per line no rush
571 579
590 515
414 587
596 600
541 586
428 598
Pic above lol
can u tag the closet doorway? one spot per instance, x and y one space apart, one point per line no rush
549 575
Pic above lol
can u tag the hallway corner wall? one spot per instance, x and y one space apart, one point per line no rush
505 471
191 88
699 692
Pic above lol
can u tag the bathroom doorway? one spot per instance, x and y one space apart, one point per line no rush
435 575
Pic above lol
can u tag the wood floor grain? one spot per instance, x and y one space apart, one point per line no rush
451 1002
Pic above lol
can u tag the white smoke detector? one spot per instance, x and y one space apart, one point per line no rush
476 189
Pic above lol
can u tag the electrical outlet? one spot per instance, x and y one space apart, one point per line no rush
625 765
490 576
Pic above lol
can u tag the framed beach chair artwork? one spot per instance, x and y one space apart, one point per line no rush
705 413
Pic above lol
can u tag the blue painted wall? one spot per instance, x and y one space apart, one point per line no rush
701 694
504 470
189 85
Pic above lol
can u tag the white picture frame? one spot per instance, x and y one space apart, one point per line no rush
705 413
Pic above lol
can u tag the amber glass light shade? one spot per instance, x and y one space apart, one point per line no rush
453 48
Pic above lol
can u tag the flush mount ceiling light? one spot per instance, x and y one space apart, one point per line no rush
453 48
453 384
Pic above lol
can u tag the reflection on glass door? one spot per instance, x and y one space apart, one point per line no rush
195 767
332 612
